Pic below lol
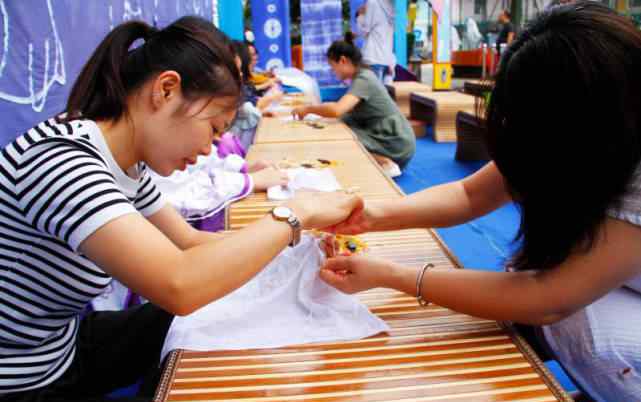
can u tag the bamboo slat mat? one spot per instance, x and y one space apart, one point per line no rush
275 130
354 170
429 354
445 105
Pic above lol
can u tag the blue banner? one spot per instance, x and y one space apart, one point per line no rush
230 19
45 43
270 21
321 24
400 32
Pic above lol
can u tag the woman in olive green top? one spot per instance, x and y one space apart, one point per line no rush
367 109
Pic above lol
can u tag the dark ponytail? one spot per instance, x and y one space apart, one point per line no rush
191 46
349 37
345 48
242 51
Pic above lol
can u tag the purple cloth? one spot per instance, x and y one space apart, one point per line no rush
214 223
229 144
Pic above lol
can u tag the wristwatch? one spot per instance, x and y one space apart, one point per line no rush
285 214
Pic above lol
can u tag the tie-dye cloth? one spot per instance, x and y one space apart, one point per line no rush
322 24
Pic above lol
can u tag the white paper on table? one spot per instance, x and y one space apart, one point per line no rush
285 304
278 108
308 117
304 179
312 117
286 118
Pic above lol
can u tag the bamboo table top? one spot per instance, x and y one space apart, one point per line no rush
275 130
354 170
429 354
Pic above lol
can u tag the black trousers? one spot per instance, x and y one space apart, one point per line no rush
114 349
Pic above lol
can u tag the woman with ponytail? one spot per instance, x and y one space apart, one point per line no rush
78 207
367 109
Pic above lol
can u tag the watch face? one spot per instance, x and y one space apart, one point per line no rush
282 212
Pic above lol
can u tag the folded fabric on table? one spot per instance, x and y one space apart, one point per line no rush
304 179
285 304
206 188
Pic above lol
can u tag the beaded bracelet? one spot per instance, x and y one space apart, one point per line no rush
419 280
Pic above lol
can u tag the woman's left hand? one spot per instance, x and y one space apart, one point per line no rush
357 273
260 165
300 112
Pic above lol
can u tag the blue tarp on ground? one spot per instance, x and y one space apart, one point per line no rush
484 243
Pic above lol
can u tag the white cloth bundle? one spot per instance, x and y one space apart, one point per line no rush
285 304
207 187
304 179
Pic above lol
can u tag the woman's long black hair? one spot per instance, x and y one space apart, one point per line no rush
564 127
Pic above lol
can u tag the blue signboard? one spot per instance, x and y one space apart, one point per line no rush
270 21
45 43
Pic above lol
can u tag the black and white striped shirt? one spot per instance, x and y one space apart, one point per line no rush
58 184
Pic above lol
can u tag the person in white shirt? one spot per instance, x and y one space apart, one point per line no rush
375 21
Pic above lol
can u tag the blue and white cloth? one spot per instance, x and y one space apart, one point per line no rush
321 24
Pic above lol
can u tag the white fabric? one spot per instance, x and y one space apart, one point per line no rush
296 78
472 38
377 27
629 210
114 298
308 117
285 304
455 39
599 346
206 187
635 284
304 179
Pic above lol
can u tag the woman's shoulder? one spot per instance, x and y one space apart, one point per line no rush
53 135
366 73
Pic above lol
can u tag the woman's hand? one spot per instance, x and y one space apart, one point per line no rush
300 112
317 210
361 220
358 273
260 165
269 177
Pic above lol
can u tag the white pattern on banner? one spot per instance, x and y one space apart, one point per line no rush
271 21
51 73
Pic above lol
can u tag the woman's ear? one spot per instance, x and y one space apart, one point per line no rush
165 88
